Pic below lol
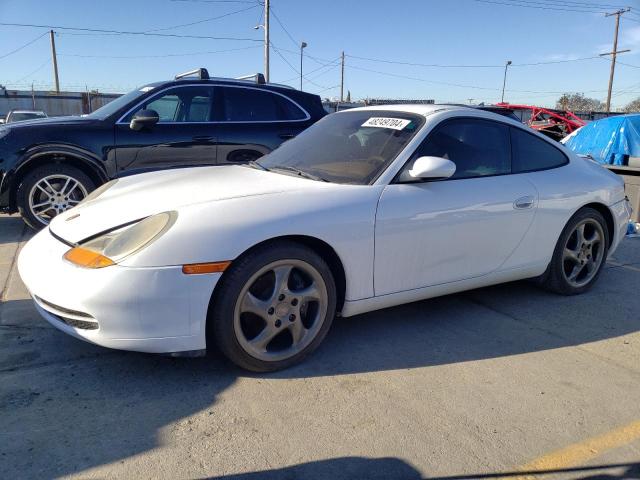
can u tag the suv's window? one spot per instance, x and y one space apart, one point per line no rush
532 153
253 105
477 147
181 104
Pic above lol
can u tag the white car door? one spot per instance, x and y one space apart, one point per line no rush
429 233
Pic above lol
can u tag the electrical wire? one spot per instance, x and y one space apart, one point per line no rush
202 21
293 40
125 32
437 65
186 54
23 46
17 82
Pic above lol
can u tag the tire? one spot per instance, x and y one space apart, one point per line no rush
571 254
254 300
33 200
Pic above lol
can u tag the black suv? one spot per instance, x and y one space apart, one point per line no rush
50 165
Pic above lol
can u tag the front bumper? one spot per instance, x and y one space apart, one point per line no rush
159 309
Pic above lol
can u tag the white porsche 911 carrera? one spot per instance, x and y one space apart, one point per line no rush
368 208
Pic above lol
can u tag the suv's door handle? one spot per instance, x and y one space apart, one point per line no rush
203 138
287 136
524 202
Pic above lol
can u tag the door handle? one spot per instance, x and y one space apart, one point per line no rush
523 203
287 136
203 138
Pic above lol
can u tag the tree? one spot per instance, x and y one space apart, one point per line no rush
577 102
632 106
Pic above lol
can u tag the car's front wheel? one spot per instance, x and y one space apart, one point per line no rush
580 254
274 307
50 190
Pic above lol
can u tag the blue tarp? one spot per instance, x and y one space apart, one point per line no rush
608 140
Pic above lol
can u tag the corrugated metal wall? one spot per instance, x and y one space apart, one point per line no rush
53 104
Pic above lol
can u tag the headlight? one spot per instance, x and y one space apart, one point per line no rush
99 191
115 246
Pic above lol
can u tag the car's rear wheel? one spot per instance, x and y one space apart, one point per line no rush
274 307
50 190
580 254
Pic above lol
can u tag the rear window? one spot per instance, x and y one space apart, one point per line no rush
531 153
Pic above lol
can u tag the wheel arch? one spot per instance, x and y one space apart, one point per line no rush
608 217
50 156
319 246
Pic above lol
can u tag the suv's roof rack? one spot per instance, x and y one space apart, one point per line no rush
258 77
201 73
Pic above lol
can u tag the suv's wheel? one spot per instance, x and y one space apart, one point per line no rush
579 255
50 190
274 307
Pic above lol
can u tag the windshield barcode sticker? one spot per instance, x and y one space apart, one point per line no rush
385 122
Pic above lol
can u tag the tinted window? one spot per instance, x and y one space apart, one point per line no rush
250 105
289 110
532 153
477 147
182 104
347 147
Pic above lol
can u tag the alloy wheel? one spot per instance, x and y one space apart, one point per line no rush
53 195
583 253
280 310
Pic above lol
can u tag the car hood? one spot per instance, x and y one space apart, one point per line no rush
139 196
50 122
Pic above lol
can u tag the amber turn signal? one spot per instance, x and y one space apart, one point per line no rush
87 258
199 268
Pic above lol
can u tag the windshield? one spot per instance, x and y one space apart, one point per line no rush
114 105
349 147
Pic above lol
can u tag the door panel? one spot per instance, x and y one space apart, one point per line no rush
439 232
184 135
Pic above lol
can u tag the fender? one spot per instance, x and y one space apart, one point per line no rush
33 155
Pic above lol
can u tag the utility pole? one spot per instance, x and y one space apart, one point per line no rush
614 52
342 79
266 40
504 82
55 60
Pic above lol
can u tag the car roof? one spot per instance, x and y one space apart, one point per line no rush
428 109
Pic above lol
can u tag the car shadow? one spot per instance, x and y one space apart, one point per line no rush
68 406
393 468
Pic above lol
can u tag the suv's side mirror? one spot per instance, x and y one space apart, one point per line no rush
432 168
144 118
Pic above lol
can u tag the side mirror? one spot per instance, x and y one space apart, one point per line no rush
433 168
144 118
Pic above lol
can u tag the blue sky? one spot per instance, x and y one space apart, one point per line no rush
452 32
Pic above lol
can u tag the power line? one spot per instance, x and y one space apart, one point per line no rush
47 62
186 54
125 32
295 42
538 6
23 46
437 65
202 21
277 50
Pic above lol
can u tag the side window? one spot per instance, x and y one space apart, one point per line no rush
181 104
290 111
477 147
531 153
250 105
